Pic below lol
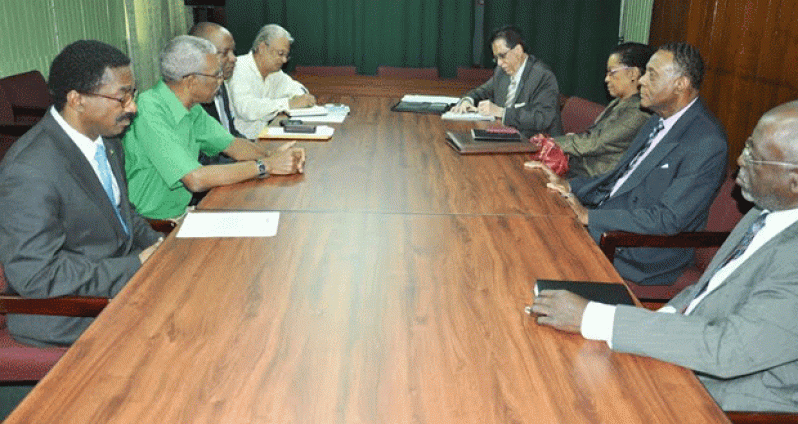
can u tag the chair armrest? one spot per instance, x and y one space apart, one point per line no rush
762 417
69 306
162 225
614 239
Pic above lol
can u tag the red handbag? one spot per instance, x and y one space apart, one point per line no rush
550 154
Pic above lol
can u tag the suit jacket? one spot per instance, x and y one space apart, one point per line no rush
669 192
741 338
211 109
599 149
537 103
59 234
220 158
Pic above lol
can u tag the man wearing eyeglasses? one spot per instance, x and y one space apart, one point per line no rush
171 129
259 89
736 327
523 91
66 224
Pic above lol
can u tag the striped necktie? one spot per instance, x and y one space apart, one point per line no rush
738 251
106 178
511 92
606 188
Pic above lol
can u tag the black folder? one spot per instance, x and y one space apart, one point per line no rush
609 293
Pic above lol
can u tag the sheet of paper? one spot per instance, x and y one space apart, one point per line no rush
307 111
468 116
423 98
229 224
330 118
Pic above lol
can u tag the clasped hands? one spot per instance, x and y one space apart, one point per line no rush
286 159
302 100
561 185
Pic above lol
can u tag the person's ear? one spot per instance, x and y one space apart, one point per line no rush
74 100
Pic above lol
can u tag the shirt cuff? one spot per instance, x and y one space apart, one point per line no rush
597 322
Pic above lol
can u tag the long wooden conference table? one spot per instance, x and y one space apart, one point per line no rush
393 292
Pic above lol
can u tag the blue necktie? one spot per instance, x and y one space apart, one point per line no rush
106 178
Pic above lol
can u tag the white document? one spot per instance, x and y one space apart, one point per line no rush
468 116
229 224
423 98
330 118
308 111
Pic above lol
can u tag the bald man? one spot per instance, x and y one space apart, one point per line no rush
736 327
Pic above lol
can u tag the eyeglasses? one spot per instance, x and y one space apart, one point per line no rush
746 154
125 101
501 56
613 71
219 76
282 53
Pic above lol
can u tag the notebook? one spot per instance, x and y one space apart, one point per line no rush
464 143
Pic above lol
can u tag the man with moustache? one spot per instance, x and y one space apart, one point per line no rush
66 224
259 88
666 180
736 327
523 91
171 129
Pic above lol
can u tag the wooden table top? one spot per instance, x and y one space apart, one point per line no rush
401 304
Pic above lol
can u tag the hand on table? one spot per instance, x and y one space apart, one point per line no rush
146 253
463 106
300 101
286 160
560 309
488 108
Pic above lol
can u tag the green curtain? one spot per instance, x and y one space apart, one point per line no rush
572 36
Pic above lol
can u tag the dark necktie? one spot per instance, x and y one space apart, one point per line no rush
606 189
757 225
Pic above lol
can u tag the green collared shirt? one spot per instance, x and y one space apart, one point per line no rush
162 146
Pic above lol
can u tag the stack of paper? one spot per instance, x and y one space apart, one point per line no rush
323 132
327 114
468 116
423 98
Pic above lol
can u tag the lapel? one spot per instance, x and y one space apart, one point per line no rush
83 173
665 146
530 63
226 103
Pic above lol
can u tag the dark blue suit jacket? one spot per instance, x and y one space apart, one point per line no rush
669 192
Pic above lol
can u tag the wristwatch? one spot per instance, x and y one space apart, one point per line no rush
262 171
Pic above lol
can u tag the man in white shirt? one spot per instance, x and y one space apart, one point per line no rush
259 89
737 327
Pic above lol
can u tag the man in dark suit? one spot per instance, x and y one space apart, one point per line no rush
669 176
219 107
736 327
523 91
66 224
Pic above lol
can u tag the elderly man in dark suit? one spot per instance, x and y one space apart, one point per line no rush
523 91
66 224
736 327
669 176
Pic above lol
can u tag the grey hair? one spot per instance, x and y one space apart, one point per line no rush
270 33
184 55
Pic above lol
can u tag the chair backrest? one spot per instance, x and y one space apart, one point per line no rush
414 73
325 70
28 91
725 212
6 111
578 114
478 75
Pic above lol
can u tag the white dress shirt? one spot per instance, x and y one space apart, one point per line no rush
256 100
89 148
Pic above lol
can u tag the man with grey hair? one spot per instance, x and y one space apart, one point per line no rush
736 326
259 89
164 141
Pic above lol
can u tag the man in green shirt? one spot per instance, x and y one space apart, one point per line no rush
164 141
